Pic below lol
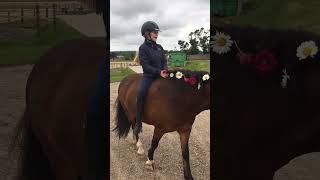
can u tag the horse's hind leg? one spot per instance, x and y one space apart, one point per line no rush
157 135
139 146
137 142
134 137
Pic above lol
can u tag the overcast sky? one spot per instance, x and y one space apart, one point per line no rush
176 19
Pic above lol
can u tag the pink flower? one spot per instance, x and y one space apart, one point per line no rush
192 81
265 62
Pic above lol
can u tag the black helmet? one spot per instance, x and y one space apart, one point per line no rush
148 27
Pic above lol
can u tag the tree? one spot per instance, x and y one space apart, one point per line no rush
193 43
198 38
204 41
203 37
183 45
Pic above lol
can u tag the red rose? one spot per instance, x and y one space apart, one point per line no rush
265 62
192 81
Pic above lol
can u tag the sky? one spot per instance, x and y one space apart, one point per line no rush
176 19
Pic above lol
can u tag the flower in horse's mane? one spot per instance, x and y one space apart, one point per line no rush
179 75
221 43
265 61
205 77
199 85
192 80
306 49
285 78
171 75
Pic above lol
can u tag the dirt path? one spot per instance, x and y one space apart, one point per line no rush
12 86
125 163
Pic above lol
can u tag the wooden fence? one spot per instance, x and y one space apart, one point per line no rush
45 12
117 65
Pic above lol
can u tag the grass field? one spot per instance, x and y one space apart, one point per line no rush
117 75
275 14
199 65
27 49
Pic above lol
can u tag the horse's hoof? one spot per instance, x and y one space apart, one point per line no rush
150 164
140 151
139 144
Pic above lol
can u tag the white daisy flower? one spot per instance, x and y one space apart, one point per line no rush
171 75
199 86
179 75
221 43
306 49
285 78
205 77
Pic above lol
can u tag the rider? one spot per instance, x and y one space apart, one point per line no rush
154 64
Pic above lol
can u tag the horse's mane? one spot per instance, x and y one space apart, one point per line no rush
188 73
198 75
243 78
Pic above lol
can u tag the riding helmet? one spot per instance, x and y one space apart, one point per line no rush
149 26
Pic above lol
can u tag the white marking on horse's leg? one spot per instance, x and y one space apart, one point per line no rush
140 148
139 144
134 139
150 164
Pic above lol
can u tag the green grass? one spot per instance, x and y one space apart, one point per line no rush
275 14
199 65
27 50
118 74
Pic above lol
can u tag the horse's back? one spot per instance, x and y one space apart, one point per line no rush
57 94
55 64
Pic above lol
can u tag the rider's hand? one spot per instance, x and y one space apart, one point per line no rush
164 73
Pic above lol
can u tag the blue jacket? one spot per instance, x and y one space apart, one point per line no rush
152 58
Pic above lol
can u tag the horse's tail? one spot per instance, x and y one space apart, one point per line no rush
33 164
122 122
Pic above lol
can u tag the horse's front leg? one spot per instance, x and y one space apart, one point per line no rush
157 135
184 140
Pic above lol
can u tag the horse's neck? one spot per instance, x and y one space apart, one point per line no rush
196 99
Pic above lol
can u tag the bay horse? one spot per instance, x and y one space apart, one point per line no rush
259 125
170 105
61 133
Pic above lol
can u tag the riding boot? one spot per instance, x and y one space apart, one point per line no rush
138 124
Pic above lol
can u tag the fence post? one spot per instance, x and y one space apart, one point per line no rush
21 15
8 16
38 19
47 13
54 16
